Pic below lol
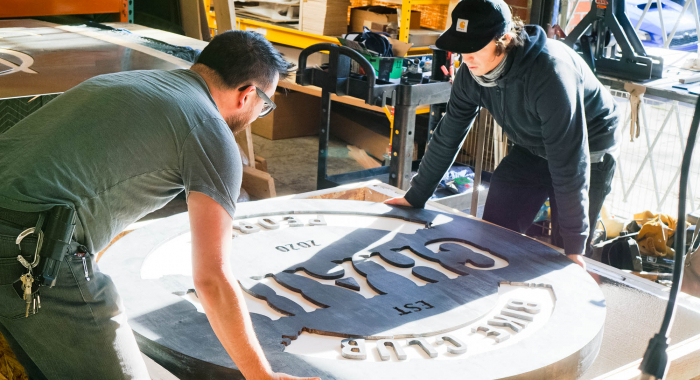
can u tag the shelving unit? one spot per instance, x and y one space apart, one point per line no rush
21 8
288 35
406 13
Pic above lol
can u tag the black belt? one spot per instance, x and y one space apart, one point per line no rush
12 223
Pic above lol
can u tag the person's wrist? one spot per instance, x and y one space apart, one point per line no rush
260 372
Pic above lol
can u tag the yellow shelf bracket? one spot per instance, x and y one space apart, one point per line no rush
405 20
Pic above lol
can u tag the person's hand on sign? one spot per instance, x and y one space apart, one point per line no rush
398 202
578 259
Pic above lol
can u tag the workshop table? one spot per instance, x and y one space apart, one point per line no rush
672 72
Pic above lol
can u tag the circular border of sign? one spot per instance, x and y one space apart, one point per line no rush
172 332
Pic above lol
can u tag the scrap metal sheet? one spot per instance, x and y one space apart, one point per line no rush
37 58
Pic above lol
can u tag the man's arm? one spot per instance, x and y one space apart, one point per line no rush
559 104
219 292
445 143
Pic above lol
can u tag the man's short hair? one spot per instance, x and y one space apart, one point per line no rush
244 58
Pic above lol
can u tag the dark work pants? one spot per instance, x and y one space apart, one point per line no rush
522 183
81 330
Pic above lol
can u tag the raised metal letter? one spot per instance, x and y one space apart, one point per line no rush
384 352
497 334
246 228
528 307
459 346
424 345
293 221
353 349
503 321
269 223
320 221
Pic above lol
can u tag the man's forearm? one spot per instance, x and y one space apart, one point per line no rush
226 310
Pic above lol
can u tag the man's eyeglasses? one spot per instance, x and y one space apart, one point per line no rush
268 105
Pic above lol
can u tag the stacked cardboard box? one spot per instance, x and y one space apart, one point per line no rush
297 114
431 16
325 17
378 18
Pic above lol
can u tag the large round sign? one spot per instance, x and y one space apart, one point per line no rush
358 290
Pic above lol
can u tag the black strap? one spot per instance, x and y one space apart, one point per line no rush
375 42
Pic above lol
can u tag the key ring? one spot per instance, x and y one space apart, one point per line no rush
39 242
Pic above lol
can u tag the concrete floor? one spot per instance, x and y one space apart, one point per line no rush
293 162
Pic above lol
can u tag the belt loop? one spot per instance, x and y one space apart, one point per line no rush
40 222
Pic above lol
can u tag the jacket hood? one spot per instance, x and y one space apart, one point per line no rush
521 58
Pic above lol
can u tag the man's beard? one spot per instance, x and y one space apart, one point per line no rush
238 122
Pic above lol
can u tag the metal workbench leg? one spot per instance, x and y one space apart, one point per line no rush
402 146
323 135
436 111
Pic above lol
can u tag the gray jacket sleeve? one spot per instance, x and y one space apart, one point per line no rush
559 104
445 143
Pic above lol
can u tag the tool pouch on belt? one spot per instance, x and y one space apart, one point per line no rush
56 225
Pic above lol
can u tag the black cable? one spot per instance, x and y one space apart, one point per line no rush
655 362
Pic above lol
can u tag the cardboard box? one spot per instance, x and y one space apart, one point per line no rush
379 16
325 17
297 115
400 48
423 37
355 133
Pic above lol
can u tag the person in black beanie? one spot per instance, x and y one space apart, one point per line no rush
562 121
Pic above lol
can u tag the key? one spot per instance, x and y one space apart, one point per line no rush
27 282
26 313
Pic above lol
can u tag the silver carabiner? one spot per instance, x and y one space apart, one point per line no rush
39 242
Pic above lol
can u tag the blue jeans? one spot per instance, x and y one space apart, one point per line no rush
81 330
522 183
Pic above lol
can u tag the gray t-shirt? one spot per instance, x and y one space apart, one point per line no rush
117 147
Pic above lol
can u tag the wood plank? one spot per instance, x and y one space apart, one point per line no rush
316 91
260 163
225 15
258 184
191 18
244 139
450 7
204 21
362 158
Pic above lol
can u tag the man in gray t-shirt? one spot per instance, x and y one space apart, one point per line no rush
115 148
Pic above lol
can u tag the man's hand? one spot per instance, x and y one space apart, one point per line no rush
578 259
218 290
398 202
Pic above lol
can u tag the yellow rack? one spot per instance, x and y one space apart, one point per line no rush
295 38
